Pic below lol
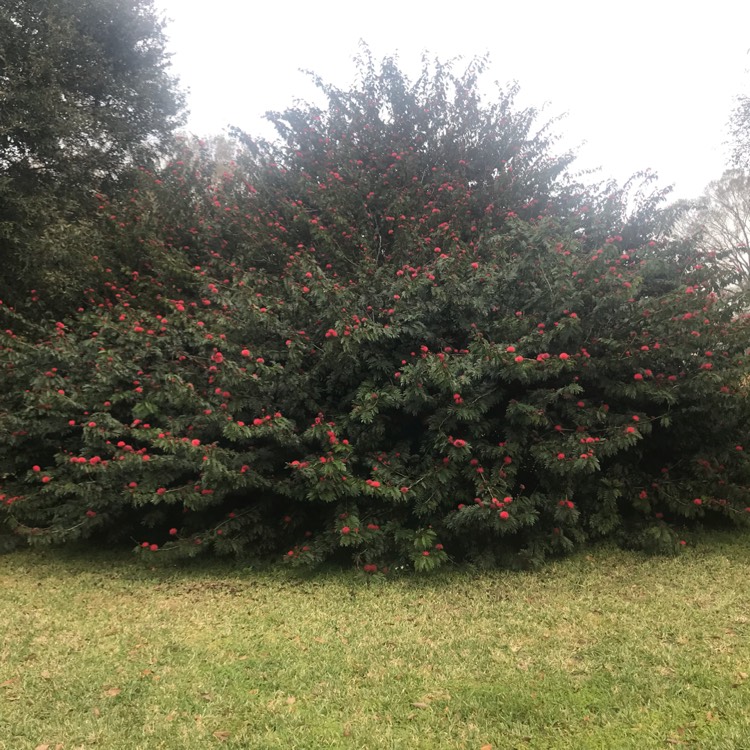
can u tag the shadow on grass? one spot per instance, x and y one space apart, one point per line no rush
122 563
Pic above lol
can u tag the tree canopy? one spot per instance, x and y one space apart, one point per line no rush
401 334
719 223
86 96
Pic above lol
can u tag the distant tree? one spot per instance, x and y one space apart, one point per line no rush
720 222
85 95
739 127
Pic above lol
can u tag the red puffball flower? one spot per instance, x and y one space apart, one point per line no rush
564 355
638 376
36 468
510 349
218 357
630 430
92 424
519 358
46 479
459 443
195 442
245 352
504 514
345 529
426 553
91 513
154 547
697 501
475 266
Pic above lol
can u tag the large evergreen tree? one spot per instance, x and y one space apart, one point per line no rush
397 335
85 96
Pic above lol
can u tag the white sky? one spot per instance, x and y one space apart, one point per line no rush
645 84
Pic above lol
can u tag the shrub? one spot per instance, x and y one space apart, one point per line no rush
397 337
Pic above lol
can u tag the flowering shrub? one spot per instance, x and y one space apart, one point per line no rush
397 337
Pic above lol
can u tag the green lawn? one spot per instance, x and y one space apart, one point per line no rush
605 650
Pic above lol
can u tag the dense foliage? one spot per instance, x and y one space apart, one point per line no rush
398 335
85 97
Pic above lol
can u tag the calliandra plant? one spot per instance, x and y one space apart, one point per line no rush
399 335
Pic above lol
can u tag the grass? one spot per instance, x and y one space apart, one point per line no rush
608 649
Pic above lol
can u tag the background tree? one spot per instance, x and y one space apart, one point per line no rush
85 97
719 222
739 125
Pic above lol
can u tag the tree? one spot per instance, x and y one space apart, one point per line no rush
719 223
739 127
397 335
85 97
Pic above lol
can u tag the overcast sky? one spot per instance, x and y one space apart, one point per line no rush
644 85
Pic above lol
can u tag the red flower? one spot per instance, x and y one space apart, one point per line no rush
345 529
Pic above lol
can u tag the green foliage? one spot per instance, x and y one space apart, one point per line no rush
398 336
85 97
